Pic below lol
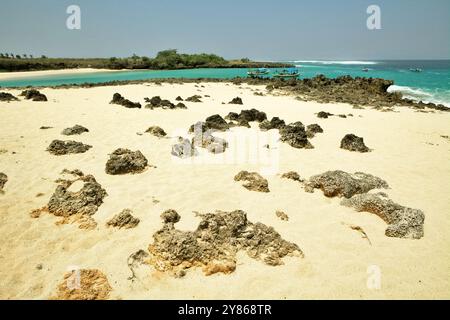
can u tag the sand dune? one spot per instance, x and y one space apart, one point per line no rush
407 150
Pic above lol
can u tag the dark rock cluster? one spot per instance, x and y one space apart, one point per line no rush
123 161
354 143
3 180
295 135
214 244
312 130
123 220
33 95
236 100
59 147
156 131
275 123
253 181
76 129
121 101
157 102
194 98
7 97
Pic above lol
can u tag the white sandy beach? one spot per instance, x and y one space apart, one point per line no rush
27 74
409 152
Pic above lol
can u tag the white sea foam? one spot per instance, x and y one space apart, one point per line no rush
337 62
420 95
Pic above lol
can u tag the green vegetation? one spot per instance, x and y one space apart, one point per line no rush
164 60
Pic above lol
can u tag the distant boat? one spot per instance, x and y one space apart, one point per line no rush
291 73
415 70
258 73
365 70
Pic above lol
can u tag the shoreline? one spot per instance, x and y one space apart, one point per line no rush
357 91
25 74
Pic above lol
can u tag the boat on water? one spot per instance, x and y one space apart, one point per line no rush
415 70
291 73
258 73
365 69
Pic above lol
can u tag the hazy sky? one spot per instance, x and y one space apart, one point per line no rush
258 29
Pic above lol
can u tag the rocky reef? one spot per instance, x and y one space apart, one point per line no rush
253 181
402 222
214 244
124 161
59 147
121 101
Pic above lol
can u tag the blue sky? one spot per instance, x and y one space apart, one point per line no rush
258 29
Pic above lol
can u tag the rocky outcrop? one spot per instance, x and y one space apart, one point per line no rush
75 205
83 284
59 147
275 123
214 123
354 143
292 175
179 98
213 246
324 115
124 161
123 220
312 130
7 97
253 181
3 180
194 98
343 184
402 222
157 102
183 149
294 134
76 129
236 100
33 95
156 131
121 101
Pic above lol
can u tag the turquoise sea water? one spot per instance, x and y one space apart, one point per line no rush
430 85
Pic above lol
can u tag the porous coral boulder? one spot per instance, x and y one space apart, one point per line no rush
354 143
216 122
324 115
124 161
194 98
156 131
342 184
214 244
59 147
3 180
313 129
123 220
236 100
7 97
275 123
253 181
76 129
295 135
119 100
33 95
402 222
83 284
